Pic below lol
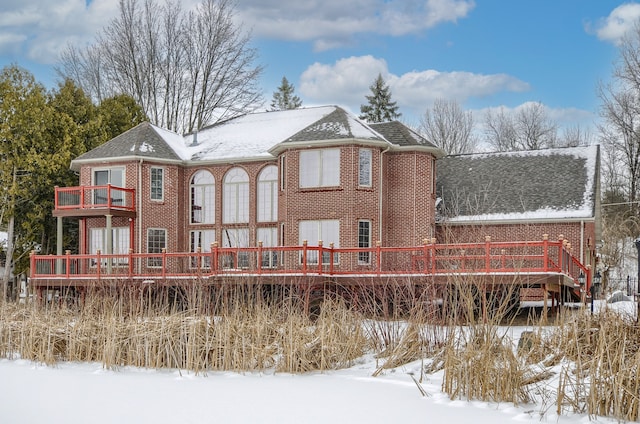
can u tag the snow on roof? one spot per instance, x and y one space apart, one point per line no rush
248 136
524 185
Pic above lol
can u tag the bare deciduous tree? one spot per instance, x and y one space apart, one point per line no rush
186 69
620 110
528 128
449 127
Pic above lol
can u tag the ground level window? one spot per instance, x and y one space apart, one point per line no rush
202 239
269 238
156 242
119 240
364 240
327 230
235 237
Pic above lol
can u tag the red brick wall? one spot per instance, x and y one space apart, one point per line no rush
571 231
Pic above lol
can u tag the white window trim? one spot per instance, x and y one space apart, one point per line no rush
161 199
166 242
272 189
322 179
362 255
370 166
239 212
208 203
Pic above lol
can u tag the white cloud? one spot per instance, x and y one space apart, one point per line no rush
330 23
348 80
41 28
620 21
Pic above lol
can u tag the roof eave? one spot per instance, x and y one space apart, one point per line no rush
76 164
514 221
286 145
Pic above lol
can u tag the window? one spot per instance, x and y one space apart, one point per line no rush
203 190
364 240
326 230
364 168
236 196
235 237
103 177
282 173
269 238
202 239
157 183
268 194
156 241
119 238
320 168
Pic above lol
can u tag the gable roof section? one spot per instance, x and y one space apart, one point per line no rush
337 125
143 141
529 185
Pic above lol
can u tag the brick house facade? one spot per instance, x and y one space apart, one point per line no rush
320 174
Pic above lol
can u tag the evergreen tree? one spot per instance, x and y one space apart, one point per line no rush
284 98
380 107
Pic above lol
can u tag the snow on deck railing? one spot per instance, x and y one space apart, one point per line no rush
430 258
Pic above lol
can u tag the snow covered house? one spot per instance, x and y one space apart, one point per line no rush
315 193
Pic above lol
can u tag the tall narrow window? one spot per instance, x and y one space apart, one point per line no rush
364 240
236 196
202 190
156 241
268 194
282 173
157 183
364 168
326 230
320 168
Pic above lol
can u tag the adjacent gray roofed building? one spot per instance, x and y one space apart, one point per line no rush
530 185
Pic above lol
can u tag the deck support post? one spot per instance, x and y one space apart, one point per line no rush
59 245
109 242
545 304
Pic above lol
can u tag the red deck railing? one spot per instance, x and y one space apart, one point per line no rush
528 257
94 197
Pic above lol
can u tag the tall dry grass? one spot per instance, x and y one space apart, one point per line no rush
579 363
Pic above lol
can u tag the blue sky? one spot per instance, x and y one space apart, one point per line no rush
483 53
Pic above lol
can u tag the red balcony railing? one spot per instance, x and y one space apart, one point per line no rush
94 197
530 257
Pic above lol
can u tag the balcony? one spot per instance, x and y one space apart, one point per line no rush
85 201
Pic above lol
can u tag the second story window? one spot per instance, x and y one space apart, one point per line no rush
202 193
236 196
103 177
157 183
320 168
268 194
364 167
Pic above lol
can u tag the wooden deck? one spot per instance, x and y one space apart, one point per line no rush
545 263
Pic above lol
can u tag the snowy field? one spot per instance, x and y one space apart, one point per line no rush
86 393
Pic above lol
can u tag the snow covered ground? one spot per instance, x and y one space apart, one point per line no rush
86 393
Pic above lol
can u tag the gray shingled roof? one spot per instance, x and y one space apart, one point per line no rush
397 133
334 126
554 183
141 141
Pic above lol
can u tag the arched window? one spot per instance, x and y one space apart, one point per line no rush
268 194
236 196
203 190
